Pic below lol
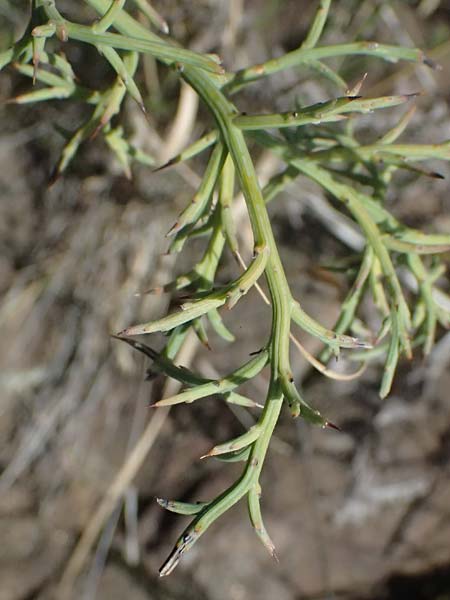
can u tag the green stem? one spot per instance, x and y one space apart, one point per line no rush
305 55
239 489
160 50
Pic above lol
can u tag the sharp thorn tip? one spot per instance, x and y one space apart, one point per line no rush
332 426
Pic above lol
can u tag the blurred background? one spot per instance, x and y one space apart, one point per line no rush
361 514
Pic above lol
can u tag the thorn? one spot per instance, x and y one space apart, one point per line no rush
357 87
160 403
332 426
256 352
169 163
147 350
117 336
173 230
121 336
134 344
173 560
144 112
208 454
54 176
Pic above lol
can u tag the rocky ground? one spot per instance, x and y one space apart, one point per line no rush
361 514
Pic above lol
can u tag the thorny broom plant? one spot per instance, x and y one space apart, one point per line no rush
316 142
